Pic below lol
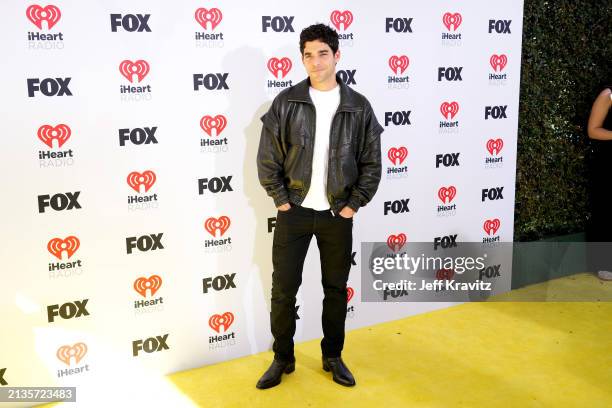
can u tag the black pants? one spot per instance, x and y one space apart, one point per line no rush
600 225
292 234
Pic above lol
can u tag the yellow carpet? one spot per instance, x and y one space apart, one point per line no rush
494 354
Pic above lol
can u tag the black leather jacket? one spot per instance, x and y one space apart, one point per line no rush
284 159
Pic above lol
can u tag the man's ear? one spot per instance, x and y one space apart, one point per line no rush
337 56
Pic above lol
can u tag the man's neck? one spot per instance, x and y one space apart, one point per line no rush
325 86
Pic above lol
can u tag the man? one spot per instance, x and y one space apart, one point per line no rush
319 159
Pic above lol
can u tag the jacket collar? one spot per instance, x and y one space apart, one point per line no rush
348 101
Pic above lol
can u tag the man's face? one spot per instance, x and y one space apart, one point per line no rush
319 61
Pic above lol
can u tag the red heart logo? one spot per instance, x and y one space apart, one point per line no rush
498 62
349 293
139 68
207 123
449 108
225 320
396 242
397 155
47 134
454 20
400 62
494 146
37 14
279 67
446 194
212 16
213 224
491 226
69 244
146 179
345 17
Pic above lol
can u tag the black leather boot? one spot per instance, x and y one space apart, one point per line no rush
341 373
273 375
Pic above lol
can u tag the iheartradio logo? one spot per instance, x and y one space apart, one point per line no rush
491 226
494 146
445 274
279 67
452 20
397 155
218 123
212 16
446 194
396 242
350 292
37 14
76 351
152 283
69 244
146 179
139 68
498 62
221 224
341 17
47 134
398 64
449 109
216 321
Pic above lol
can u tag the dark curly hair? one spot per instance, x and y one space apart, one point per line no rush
319 32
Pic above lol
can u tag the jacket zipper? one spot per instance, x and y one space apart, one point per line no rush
314 135
329 198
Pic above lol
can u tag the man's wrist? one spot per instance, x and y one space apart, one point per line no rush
280 200
352 206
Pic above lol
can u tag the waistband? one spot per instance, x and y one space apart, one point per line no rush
311 211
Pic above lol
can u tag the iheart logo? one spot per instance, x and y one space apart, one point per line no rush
349 293
78 351
397 155
341 17
446 194
449 108
494 146
396 242
69 244
146 179
213 224
153 283
139 68
225 320
37 14
47 134
279 67
445 274
498 62
491 226
453 20
398 63
207 123
212 16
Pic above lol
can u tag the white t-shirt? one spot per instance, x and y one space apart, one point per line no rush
326 103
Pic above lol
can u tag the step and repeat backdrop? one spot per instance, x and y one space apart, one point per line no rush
136 236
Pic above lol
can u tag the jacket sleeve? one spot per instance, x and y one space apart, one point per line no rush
368 164
270 158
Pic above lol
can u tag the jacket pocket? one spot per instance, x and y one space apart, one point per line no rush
294 163
347 165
